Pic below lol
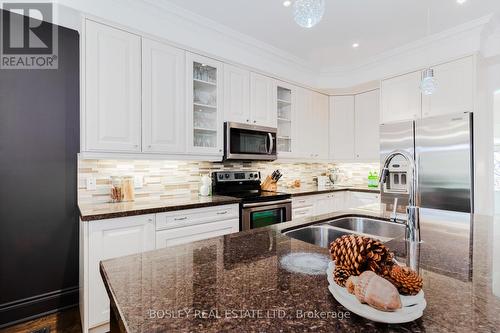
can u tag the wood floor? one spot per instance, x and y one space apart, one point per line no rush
67 321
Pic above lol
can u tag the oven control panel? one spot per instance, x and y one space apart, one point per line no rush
236 176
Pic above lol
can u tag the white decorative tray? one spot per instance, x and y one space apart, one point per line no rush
413 306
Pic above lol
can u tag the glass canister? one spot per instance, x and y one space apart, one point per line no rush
128 188
122 188
116 189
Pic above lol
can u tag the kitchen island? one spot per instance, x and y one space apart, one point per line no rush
238 283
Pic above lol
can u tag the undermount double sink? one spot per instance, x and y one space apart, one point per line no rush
324 233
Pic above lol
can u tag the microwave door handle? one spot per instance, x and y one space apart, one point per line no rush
271 143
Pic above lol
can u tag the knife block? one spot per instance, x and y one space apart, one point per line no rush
269 185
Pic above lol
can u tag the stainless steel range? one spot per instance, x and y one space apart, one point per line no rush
257 208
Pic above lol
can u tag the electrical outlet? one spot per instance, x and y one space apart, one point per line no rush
138 181
91 183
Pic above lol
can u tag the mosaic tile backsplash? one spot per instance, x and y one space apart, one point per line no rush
167 179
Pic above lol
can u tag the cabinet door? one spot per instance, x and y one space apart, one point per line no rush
172 237
321 124
204 99
163 116
342 128
285 110
401 98
112 89
455 89
304 124
358 199
236 94
367 133
110 239
262 100
324 204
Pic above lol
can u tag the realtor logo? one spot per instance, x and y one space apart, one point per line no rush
29 41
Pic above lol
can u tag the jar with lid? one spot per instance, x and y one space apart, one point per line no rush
116 189
128 188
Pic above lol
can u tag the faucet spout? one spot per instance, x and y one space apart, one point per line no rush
413 211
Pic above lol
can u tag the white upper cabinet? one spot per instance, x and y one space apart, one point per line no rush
366 125
455 89
112 89
319 128
286 113
204 99
164 100
236 94
342 128
304 123
312 114
401 98
262 100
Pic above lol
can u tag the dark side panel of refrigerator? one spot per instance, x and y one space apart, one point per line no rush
39 142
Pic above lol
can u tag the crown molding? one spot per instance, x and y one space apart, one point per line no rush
235 36
410 47
196 33
453 43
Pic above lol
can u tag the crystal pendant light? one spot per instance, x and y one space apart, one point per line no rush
428 84
308 13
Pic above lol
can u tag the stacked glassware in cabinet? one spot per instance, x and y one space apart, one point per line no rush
204 105
284 106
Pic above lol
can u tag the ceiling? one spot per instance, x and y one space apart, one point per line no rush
377 25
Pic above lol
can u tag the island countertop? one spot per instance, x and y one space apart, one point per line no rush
237 283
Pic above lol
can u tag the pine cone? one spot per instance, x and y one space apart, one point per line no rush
358 254
405 279
340 275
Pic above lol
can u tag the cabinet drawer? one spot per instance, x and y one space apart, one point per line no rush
302 212
172 237
183 218
303 201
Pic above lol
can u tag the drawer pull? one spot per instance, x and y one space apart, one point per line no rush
222 213
180 218
301 201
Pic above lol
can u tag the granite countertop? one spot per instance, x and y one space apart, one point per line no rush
236 283
101 211
311 190
90 212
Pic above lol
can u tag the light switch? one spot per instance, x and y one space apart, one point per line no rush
91 183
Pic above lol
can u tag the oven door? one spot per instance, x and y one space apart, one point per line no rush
263 214
249 142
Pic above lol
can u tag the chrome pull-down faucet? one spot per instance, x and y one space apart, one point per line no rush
412 210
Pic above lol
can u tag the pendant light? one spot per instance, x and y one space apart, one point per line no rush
428 85
308 13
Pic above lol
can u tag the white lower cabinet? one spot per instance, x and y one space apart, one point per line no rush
111 238
106 239
358 199
177 236
180 227
318 204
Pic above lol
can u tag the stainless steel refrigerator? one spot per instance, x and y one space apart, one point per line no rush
443 152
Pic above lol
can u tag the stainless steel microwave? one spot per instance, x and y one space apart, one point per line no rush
249 142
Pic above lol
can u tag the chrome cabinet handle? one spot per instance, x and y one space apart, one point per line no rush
180 218
222 213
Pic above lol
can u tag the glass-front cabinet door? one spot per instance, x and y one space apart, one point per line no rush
285 112
204 94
